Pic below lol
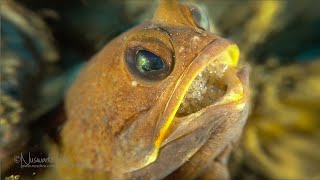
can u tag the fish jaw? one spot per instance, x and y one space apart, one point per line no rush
187 135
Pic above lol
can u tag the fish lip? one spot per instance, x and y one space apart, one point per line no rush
203 59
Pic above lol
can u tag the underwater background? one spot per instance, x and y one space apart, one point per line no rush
44 43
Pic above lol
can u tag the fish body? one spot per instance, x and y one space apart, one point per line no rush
165 99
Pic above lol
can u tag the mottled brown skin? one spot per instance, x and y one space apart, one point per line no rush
118 125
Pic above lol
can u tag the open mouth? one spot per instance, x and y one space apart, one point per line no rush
209 81
205 89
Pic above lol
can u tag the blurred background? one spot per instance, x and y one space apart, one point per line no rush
44 43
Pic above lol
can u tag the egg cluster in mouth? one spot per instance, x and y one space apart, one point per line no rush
205 89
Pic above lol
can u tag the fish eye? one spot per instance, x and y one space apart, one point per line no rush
199 17
146 64
148 61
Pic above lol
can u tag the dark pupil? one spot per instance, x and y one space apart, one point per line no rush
147 61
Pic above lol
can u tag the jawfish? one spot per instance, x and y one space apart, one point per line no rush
165 99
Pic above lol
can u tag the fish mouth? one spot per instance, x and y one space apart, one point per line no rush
208 82
215 83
